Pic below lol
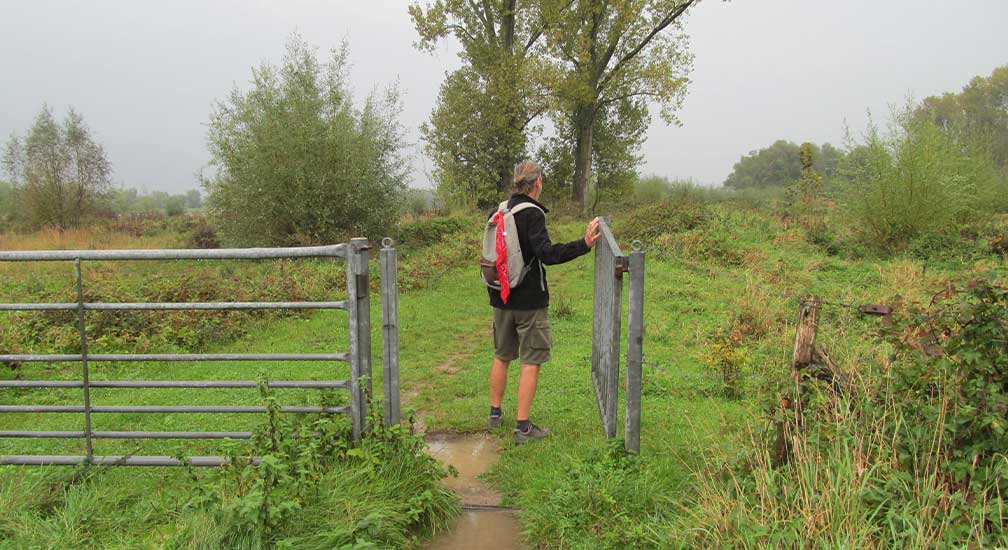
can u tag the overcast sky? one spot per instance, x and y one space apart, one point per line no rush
144 75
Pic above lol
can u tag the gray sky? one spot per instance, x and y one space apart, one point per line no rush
144 75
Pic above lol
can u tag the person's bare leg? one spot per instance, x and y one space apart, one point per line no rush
526 390
498 381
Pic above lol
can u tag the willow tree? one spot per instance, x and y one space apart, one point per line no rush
297 162
59 171
478 130
606 52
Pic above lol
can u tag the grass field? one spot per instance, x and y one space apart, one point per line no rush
733 274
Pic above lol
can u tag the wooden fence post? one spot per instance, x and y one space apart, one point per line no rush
804 353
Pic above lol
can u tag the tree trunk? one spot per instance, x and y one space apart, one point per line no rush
584 119
506 178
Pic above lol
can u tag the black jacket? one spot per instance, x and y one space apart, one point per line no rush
537 250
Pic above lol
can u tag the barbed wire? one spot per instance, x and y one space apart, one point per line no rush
813 300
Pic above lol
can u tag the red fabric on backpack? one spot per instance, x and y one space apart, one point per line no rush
502 259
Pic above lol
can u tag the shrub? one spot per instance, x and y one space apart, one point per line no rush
951 363
650 222
914 180
309 468
426 232
700 246
201 234
298 163
729 361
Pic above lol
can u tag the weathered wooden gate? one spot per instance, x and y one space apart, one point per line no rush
610 265
358 357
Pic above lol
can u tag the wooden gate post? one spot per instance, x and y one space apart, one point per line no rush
805 337
804 352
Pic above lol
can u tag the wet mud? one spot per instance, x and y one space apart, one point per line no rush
480 526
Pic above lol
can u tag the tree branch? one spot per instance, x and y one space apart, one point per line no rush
612 100
668 20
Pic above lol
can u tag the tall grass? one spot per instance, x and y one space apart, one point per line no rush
903 451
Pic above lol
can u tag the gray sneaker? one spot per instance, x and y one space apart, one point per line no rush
495 421
534 432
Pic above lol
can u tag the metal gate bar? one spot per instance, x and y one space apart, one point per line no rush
172 384
127 358
129 306
359 355
610 266
606 326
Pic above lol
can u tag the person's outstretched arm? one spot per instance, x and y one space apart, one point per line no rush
551 254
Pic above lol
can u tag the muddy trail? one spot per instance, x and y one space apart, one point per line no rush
484 523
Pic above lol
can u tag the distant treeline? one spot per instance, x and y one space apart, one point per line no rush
976 118
109 204
780 164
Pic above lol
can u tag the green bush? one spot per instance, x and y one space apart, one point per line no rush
648 223
426 232
951 373
915 180
298 163
315 488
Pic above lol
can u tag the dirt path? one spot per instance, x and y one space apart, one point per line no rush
484 524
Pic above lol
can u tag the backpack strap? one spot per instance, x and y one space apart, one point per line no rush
528 268
519 207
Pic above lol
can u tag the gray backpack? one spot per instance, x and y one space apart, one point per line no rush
517 270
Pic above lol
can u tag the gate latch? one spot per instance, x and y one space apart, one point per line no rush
622 265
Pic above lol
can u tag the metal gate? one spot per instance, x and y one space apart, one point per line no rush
610 265
358 356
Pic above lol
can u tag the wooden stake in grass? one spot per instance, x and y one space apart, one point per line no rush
804 354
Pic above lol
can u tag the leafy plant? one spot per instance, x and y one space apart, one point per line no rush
914 180
283 497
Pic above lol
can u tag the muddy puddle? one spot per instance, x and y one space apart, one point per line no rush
480 530
477 527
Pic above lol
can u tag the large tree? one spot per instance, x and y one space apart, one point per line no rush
297 162
617 136
609 51
59 171
478 130
978 114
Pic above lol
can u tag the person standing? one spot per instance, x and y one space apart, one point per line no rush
521 328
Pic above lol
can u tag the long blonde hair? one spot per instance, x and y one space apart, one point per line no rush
525 175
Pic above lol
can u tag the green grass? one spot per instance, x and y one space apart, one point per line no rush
732 274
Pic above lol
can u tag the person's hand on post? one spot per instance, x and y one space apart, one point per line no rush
592 234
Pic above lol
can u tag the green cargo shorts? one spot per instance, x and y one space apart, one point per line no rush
522 333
